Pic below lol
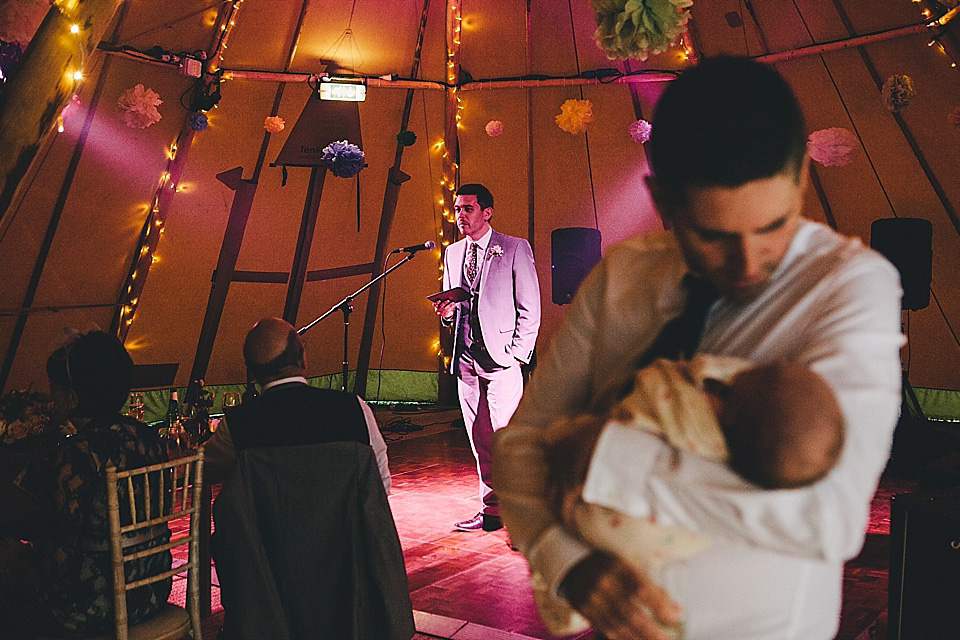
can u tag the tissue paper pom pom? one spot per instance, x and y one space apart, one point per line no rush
898 92
274 124
139 107
833 147
638 28
640 130
494 128
406 138
574 115
19 20
954 117
344 160
71 107
198 121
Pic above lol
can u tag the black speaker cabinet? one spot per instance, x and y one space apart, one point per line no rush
924 580
908 244
573 253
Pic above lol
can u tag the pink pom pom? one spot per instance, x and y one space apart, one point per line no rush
833 147
139 107
954 117
494 128
640 131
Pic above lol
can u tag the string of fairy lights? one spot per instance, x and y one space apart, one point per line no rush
168 185
448 147
935 25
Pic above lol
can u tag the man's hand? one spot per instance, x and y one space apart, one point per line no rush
445 309
618 601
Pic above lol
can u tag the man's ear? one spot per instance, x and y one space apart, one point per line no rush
803 179
487 213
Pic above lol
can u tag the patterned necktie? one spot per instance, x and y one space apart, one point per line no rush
680 336
472 264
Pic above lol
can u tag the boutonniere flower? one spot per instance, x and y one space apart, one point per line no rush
496 251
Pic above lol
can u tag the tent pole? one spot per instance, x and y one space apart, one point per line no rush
395 178
48 31
236 226
308 225
449 181
531 183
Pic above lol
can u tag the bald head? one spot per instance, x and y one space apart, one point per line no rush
273 350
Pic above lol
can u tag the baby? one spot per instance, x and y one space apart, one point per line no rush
776 425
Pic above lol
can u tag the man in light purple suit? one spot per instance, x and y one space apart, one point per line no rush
494 331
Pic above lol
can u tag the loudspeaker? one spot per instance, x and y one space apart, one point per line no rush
924 579
908 244
573 253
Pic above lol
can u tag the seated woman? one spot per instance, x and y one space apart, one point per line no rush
90 379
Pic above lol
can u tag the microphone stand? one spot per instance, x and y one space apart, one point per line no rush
346 306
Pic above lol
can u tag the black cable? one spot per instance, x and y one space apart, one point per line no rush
586 136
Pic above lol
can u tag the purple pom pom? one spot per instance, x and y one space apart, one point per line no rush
198 121
344 160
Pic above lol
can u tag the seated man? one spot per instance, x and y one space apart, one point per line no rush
303 540
288 412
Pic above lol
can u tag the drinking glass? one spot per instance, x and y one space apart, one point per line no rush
231 399
136 406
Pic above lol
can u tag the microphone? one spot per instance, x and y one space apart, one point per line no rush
429 244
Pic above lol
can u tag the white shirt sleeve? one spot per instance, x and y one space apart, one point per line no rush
377 443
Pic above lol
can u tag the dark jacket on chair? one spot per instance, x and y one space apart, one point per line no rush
306 547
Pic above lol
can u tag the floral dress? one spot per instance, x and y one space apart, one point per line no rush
75 561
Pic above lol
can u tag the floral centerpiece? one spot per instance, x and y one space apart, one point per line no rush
25 419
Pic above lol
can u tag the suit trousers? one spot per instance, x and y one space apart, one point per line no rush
489 394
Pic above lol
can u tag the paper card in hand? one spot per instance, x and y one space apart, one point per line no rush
457 294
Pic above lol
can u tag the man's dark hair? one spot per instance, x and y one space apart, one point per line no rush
723 123
288 359
96 367
484 197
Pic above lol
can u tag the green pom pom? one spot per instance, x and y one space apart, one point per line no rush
638 28
406 138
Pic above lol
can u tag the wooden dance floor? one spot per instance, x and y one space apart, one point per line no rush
472 586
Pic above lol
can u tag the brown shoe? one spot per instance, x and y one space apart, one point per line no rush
480 522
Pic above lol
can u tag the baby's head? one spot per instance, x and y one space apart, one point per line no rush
783 426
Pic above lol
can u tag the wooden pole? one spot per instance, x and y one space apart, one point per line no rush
839 45
308 225
395 178
245 190
38 93
449 181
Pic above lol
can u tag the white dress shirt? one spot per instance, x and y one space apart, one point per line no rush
775 568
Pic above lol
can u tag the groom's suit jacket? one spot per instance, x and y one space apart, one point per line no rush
508 304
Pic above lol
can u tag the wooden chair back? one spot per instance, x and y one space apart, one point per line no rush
157 494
